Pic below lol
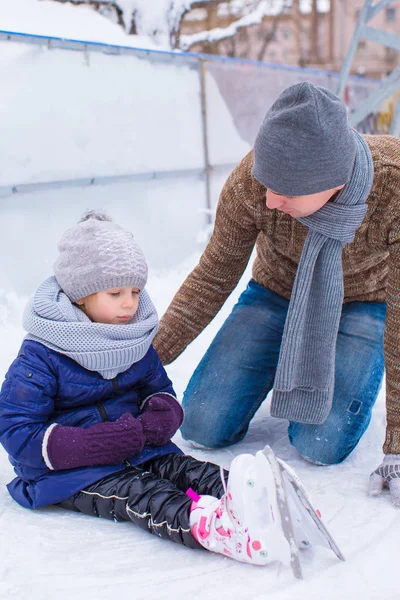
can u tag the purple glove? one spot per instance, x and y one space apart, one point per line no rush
161 417
106 443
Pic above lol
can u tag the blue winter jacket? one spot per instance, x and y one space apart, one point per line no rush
44 387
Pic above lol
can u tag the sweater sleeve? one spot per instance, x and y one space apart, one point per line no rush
221 265
26 406
392 345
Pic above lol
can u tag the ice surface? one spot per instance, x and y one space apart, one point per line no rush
53 554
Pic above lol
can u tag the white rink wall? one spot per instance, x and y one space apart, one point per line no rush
130 131
72 117
69 115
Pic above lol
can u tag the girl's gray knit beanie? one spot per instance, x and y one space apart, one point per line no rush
97 254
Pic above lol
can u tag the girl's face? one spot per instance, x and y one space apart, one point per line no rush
300 206
116 306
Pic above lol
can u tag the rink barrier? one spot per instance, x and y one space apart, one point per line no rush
25 188
36 205
195 61
162 55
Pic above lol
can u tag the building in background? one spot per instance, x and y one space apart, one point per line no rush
314 33
371 59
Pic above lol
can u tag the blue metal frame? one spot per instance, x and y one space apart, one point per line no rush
391 84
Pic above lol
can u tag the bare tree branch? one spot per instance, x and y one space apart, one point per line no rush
270 35
254 17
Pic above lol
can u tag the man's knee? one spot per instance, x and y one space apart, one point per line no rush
365 321
214 430
320 450
202 434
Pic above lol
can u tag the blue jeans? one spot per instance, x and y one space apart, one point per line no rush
238 370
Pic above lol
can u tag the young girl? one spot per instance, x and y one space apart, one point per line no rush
87 411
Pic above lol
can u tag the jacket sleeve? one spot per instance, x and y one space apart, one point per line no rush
155 381
221 265
27 404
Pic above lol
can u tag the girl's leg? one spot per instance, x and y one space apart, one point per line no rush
237 371
358 379
242 524
153 504
187 472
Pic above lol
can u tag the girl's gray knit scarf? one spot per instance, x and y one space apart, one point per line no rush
304 382
52 319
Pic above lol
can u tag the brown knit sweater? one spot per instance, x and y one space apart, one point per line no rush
371 263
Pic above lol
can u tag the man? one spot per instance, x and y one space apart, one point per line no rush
322 204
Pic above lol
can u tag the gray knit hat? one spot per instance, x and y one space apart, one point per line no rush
305 144
97 255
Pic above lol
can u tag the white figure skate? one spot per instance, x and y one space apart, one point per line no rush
245 523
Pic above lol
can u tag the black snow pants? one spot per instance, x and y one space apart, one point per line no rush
152 495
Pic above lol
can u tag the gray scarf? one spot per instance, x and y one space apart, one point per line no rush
304 381
52 319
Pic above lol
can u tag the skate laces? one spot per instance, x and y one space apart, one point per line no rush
228 521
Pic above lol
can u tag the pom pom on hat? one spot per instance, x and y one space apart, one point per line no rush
95 214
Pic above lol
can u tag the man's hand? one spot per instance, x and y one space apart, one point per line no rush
387 475
161 418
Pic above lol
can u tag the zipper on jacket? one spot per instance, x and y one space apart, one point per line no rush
102 411
115 385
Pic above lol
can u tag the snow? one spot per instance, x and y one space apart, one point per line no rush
51 553
56 19
272 7
165 217
53 19
219 33
158 21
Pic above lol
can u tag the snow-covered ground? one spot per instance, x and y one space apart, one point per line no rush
53 554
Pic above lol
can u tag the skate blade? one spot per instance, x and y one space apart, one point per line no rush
285 517
307 509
